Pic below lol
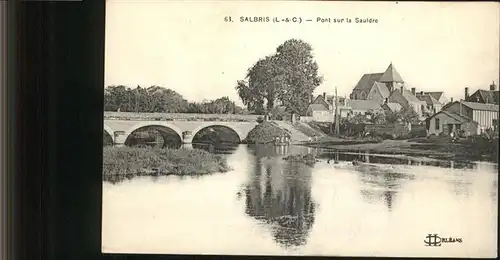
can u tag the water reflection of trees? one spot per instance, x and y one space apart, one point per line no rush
381 183
279 193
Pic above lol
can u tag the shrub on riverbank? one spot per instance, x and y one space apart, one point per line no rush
120 162
264 133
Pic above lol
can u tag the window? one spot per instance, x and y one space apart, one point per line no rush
437 123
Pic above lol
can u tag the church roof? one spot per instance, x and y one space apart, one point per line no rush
367 80
391 75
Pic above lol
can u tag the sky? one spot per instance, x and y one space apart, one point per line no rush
188 47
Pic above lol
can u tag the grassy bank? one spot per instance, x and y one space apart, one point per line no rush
439 150
127 162
328 141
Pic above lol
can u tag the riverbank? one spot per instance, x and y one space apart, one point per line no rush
436 150
127 162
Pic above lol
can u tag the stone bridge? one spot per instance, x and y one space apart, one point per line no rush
120 125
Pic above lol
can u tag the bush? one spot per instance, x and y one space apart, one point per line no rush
265 132
260 119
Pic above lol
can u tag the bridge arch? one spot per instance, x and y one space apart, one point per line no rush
108 130
167 125
109 139
199 128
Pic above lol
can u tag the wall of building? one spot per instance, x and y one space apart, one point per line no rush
417 106
322 116
466 111
375 95
442 125
485 118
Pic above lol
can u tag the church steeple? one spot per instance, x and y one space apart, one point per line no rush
390 77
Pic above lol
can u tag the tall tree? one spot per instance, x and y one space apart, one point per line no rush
288 76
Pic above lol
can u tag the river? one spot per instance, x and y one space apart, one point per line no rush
386 206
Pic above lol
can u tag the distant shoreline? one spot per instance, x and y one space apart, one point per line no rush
462 151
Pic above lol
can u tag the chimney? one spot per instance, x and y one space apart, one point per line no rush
413 91
421 93
466 93
493 87
324 95
451 100
402 89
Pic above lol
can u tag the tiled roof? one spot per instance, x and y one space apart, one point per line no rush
407 95
489 96
320 98
358 104
436 94
480 106
317 107
383 89
391 75
367 80
430 100
393 106
456 116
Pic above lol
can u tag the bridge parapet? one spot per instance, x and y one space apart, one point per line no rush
178 117
119 130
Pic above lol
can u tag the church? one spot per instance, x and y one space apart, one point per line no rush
386 88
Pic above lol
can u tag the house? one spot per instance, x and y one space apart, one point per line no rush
378 93
379 87
448 122
361 107
484 96
438 95
432 104
485 115
319 113
320 110
407 99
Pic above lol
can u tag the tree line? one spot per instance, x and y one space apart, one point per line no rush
285 80
156 99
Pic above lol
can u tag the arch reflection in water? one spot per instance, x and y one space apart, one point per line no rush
279 194
154 136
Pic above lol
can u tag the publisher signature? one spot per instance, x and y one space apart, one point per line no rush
435 240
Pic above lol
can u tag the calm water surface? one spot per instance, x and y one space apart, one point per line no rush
267 206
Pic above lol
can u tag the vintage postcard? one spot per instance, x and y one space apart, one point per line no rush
301 128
